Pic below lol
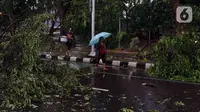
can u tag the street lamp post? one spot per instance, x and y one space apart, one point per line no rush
92 53
150 24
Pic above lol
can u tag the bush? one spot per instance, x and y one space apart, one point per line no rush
111 42
178 58
121 40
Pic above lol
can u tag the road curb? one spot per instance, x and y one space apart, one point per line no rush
90 60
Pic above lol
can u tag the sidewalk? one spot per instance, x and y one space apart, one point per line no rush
80 53
114 58
111 54
86 49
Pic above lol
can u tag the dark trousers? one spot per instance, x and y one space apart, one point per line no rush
102 57
69 45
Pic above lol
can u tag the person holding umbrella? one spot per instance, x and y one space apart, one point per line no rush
101 53
97 40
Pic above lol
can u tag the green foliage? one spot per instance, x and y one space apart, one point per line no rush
107 15
162 15
60 79
178 58
126 40
194 25
152 16
152 111
76 18
112 42
20 58
120 36
142 16
24 78
126 110
179 103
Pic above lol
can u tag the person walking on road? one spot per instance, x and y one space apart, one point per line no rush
74 39
69 43
101 53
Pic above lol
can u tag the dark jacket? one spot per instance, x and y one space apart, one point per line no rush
97 49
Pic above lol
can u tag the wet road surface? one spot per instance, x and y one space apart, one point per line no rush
119 89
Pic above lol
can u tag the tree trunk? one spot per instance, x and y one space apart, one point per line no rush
11 23
52 28
175 4
11 18
127 22
62 15
53 23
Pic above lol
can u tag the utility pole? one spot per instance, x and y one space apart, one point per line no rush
92 2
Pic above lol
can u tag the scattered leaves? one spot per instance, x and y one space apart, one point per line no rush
180 103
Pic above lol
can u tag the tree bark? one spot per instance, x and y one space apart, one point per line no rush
11 18
52 28
175 4
53 23
61 13
11 23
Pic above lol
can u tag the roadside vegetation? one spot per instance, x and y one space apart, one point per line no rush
177 57
24 77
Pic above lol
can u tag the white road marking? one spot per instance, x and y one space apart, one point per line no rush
132 64
73 59
116 63
87 60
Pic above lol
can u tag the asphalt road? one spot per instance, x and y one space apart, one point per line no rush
120 89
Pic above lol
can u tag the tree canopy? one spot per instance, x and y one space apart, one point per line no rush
156 16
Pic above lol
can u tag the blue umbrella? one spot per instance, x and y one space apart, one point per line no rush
95 39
